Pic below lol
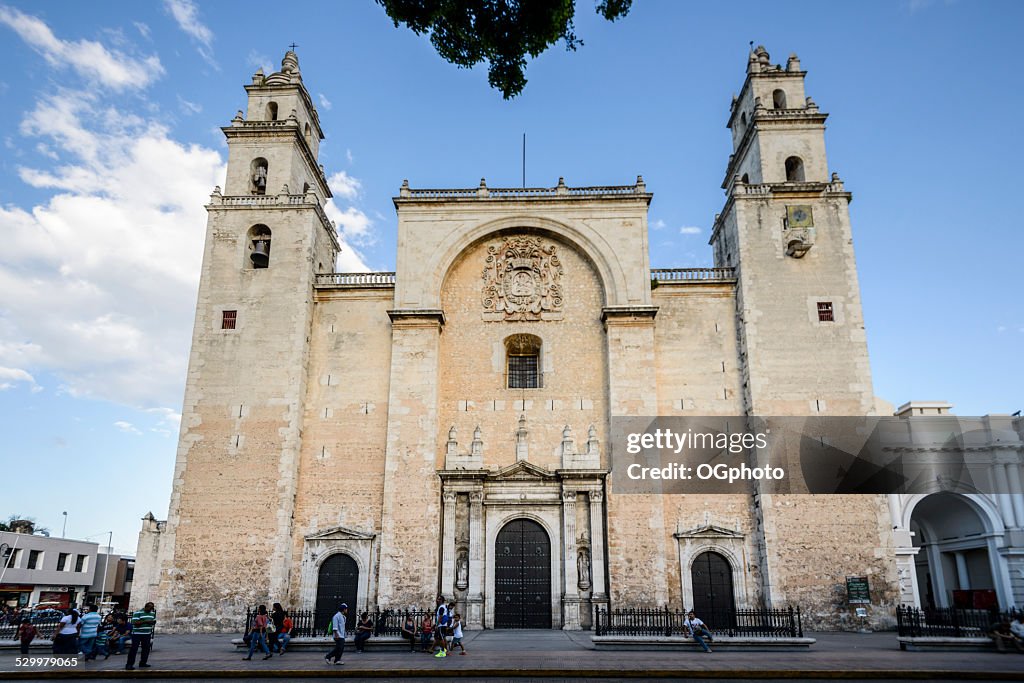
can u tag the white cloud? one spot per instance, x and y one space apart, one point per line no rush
260 60
348 155
189 107
186 14
659 225
102 276
689 230
344 185
126 427
324 102
90 59
11 376
143 28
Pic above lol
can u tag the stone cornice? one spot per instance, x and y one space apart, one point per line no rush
628 314
409 317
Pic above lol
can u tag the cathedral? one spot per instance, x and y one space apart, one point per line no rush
382 438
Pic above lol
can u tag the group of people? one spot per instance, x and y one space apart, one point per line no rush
1008 635
92 635
270 632
438 633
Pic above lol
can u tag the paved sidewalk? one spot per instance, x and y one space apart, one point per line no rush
546 654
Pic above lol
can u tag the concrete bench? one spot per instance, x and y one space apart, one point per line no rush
922 643
324 643
745 643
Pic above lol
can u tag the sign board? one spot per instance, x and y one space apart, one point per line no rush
857 590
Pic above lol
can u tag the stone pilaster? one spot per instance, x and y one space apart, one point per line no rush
449 499
477 556
598 588
632 391
410 532
570 592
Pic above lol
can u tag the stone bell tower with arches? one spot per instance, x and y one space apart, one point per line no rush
802 346
267 238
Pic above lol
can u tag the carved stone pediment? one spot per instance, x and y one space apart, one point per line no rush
522 471
522 280
708 531
340 533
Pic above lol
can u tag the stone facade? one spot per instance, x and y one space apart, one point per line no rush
406 419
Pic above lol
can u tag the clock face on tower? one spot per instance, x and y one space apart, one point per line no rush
799 216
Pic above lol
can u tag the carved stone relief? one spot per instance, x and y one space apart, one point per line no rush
522 281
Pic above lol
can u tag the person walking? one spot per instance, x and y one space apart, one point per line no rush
442 617
699 630
258 633
143 623
338 633
65 640
27 632
409 631
457 634
89 627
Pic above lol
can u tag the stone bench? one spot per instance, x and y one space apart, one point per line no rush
324 643
946 643
745 643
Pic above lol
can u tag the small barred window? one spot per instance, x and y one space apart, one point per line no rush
825 313
227 321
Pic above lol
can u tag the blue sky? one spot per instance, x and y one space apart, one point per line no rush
111 146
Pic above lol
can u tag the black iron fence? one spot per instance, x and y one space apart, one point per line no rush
46 627
313 623
654 621
949 622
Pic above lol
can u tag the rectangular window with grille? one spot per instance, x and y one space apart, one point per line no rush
227 322
524 371
825 314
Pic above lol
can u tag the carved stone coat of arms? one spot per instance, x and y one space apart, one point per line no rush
522 281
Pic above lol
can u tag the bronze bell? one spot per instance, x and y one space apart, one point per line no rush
260 255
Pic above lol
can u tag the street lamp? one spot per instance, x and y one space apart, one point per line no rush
106 567
64 530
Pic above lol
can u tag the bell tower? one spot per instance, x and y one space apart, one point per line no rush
237 463
785 228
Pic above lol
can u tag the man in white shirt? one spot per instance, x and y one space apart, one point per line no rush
338 633
699 630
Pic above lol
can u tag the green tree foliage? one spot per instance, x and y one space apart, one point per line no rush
500 32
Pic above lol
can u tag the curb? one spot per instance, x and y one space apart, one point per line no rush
870 674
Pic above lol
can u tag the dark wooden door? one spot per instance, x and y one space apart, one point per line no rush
338 582
713 599
522 576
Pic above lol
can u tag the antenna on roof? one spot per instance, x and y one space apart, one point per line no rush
524 161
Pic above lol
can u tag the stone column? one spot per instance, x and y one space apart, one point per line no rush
448 545
1003 497
1017 497
477 556
598 590
410 530
963 581
570 591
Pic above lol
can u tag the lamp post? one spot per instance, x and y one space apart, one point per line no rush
106 566
64 529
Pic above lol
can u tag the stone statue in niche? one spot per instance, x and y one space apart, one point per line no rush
583 568
522 281
462 570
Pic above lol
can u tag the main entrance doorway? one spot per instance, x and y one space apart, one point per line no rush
337 582
522 576
713 599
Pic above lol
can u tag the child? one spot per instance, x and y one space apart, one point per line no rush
457 634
